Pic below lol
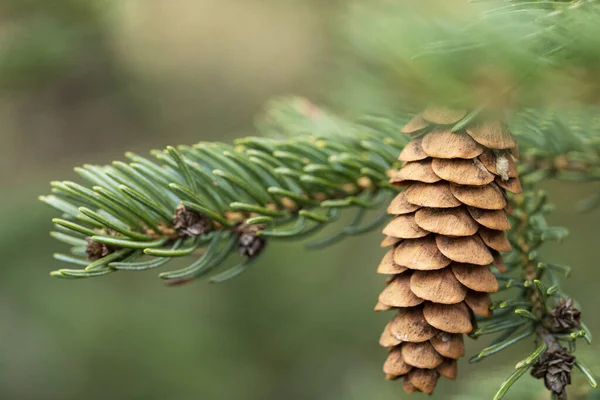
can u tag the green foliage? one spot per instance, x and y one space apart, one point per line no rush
290 188
412 53
45 42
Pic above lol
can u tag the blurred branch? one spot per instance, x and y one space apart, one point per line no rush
408 53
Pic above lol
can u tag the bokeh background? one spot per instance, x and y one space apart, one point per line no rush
84 81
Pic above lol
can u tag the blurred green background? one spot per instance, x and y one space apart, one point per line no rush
84 81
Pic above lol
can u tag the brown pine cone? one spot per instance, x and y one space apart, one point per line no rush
448 229
250 244
190 223
555 366
96 251
564 316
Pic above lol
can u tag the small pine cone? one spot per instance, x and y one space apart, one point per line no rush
448 229
250 244
555 366
190 223
564 316
96 251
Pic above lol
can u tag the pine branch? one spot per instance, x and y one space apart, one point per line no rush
211 198
278 188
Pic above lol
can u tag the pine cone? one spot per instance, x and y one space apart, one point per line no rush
190 223
564 316
448 229
96 251
555 366
250 244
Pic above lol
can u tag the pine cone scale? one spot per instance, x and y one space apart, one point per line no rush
439 286
446 221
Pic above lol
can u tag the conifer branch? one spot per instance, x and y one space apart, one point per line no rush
212 198
207 201
287 187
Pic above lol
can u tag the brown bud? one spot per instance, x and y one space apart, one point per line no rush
564 316
190 223
96 251
555 366
250 244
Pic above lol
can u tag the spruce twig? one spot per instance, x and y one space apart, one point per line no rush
143 214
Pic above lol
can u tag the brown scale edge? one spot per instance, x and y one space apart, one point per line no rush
441 248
